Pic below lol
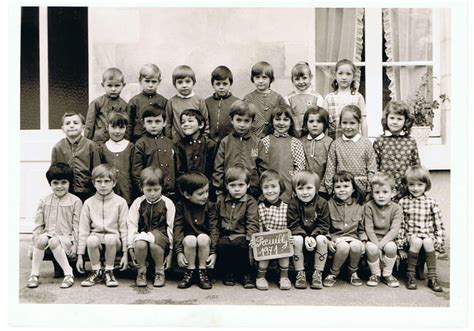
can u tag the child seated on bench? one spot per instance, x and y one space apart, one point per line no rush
56 225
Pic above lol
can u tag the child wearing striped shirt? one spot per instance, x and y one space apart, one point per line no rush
422 227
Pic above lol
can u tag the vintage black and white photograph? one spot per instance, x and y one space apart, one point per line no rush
245 157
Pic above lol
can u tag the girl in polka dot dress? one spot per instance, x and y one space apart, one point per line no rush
396 151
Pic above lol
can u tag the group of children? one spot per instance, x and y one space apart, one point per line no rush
198 177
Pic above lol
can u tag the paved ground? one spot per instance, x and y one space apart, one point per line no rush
342 294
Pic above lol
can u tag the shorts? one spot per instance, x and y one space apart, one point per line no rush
101 237
156 237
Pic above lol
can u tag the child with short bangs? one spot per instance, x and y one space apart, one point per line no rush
237 215
79 153
303 97
308 220
149 78
383 218
346 231
316 143
195 229
280 150
154 149
184 80
422 227
56 225
218 105
351 152
103 226
113 82
194 151
118 153
264 99
272 215
238 148
395 149
150 227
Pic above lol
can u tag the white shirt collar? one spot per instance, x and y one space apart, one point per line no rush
354 139
321 136
116 147
387 133
185 96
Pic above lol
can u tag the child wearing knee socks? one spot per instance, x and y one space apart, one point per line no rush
422 227
56 225
195 229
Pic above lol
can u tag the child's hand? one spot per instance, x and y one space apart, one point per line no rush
80 264
380 245
168 260
211 261
332 246
252 243
309 243
124 262
182 262
403 255
72 252
133 258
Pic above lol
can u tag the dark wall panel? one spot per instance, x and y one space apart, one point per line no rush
68 62
29 69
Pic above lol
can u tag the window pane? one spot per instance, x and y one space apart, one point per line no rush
339 34
68 62
29 69
408 34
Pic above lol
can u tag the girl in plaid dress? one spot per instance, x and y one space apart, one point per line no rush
280 150
345 93
272 213
422 227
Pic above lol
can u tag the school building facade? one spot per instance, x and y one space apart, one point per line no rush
64 51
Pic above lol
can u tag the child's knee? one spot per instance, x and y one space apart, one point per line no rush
356 246
54 243
390 248
371 249
299 242
190 241
321 240
141 245
92 242
342 248
203 240
42 242
110 240
156 248
415 243
284 262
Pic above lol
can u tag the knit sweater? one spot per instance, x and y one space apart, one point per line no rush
135 111
300 102
103 215
175 106
316 151
219 119
96 119
335 102
356 157
382 223
265 103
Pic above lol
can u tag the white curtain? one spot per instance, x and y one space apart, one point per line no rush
408 36
339 35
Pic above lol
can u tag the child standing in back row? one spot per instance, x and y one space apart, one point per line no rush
96 120
303 97
345 93
149 78
184 80
264 99
218 105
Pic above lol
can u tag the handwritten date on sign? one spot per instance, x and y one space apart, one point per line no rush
272 245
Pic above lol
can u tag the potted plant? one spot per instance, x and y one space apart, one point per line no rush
422 109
